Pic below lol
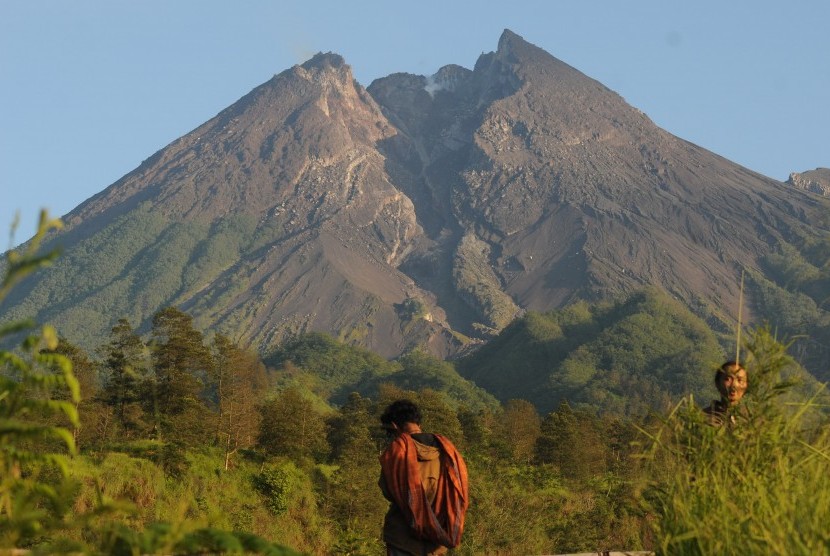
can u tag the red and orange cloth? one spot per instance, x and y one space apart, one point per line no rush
441 521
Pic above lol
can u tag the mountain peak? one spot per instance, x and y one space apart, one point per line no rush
325 67
529 60
509 38
325 60
514 48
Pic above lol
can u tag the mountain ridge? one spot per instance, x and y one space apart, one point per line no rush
420 211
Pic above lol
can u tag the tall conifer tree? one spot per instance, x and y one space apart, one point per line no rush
182 365
240 382
126 365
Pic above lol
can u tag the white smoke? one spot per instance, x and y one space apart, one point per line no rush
434 84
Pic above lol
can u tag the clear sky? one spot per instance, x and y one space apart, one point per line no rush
90 88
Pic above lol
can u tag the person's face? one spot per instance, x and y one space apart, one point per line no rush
732 385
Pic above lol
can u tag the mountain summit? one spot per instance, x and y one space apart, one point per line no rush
424 211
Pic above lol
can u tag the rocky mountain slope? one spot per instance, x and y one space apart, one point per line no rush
815 181
422 211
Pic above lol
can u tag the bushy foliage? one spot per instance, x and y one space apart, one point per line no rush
795 298
625 358
290 426
33 504
337 366
352 495
420 370
274 483
163 538
806 270
800 312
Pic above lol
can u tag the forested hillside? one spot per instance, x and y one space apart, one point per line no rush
173 442
795 299
627 357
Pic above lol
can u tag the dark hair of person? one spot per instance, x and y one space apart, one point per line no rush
400 412
726 368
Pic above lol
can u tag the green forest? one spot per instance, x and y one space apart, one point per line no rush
581 427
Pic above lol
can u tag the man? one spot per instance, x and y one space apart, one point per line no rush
731 382
425 479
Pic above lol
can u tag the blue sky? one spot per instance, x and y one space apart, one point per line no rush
90 88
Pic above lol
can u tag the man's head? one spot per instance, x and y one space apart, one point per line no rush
731 380
399 413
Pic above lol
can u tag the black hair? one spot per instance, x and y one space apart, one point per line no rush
400 412
726 368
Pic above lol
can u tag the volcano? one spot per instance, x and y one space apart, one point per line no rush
420 212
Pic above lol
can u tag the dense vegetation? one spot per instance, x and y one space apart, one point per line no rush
106 274
623 358
796 300
174 442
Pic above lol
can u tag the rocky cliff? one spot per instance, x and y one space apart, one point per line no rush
814 181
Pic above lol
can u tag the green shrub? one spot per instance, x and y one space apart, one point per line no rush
37 389
274 484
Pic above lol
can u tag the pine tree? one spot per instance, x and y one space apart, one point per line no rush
574 441
182 365
520 429
292 427
240 382
125 361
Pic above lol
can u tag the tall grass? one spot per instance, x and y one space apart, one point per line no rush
758 485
